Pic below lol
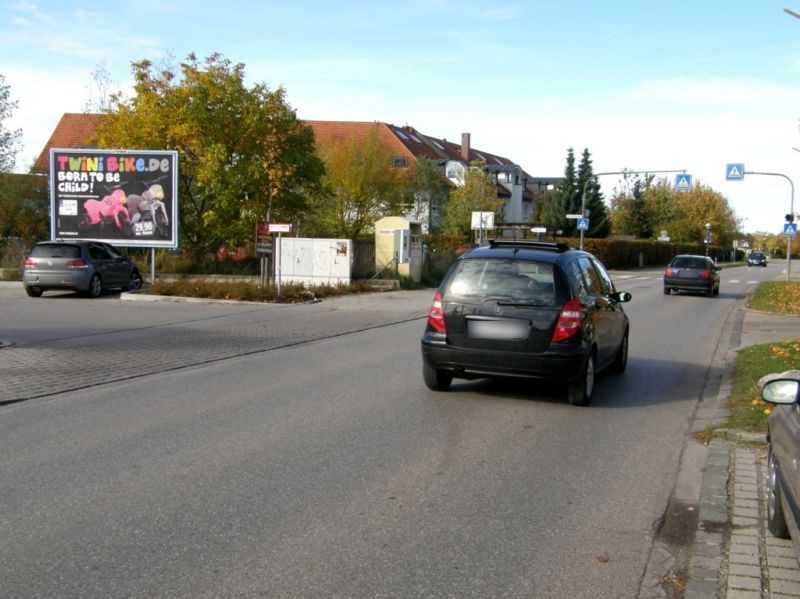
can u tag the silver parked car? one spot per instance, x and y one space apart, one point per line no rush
84 266
783 473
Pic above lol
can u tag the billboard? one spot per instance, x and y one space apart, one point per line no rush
124 197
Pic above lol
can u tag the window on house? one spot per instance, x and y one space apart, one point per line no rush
400 162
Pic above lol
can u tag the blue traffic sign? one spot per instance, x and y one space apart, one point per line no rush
734 171
583 224
683 182
790 229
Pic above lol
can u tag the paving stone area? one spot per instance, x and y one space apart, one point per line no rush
63 365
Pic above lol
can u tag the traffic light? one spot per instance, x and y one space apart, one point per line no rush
790 218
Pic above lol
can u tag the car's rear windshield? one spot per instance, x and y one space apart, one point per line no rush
758 255
517 280
687 262
55 250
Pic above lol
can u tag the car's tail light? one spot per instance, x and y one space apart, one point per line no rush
436 315
670 272
569 321
30 263
77 264
706 274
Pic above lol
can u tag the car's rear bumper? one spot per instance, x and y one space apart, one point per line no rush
689 284
560 363
79 280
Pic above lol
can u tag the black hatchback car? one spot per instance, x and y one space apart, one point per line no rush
526 309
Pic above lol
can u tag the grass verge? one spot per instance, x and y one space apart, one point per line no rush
747 411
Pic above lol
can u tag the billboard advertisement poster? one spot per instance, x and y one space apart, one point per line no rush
124 197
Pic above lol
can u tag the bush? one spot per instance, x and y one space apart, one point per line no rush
252 292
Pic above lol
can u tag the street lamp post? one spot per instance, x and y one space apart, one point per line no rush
708 237
791 211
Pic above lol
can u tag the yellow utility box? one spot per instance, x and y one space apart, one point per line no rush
398 247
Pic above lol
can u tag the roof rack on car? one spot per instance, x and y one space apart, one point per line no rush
530 244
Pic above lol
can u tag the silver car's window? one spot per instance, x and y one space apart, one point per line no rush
113 251
98 252
56 251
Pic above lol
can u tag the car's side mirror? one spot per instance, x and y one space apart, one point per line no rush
622 296
780 391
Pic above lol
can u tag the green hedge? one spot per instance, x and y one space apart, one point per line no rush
621 253
614 253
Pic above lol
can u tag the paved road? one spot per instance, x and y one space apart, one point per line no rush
293 451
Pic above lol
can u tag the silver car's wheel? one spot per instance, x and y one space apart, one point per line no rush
33 291
95 286
776 521
579 392
135 284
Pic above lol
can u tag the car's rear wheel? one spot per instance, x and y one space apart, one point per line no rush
776 520
710 291
666 290
33 290
95 286
579 392
621 359
436 380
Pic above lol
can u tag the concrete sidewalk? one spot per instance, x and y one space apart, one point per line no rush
734 555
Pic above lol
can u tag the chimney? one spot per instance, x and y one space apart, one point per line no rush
465 147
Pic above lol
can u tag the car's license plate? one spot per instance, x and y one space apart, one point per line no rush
498 329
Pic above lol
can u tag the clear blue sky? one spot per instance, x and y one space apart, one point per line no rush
688 84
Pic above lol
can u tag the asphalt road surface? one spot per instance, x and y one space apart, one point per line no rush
207 450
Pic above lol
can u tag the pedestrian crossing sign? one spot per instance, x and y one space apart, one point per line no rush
683 182
734 172
583 224
790 230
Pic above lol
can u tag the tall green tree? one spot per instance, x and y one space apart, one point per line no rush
650 206
243 154
477 194
9 138
360 186
588 186
631 213
562 200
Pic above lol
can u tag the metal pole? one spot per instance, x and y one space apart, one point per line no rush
791 211
152 266
278 265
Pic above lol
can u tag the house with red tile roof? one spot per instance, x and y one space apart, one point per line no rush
515 187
